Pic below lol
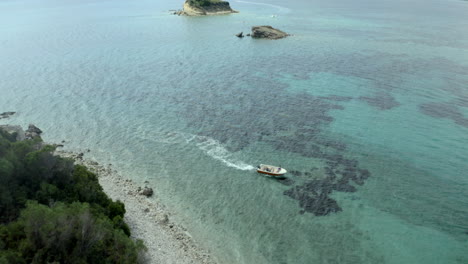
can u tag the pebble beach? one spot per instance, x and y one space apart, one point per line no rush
149 220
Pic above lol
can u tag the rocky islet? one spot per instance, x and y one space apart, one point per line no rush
267 32
205 7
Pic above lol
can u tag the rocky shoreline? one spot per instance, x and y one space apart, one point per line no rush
149 220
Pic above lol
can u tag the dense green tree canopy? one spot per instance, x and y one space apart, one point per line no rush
203 2
52 211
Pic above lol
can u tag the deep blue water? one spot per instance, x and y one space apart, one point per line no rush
366 105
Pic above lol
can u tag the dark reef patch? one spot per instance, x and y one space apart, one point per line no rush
444 110
313 195
295 173
312 201
440 110
239 114
382 101
462 102
337 98
382 71
286 181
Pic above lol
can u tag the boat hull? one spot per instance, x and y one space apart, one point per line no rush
276 175
276 172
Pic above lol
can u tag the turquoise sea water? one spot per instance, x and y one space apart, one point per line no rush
366 105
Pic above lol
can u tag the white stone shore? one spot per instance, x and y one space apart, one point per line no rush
149 220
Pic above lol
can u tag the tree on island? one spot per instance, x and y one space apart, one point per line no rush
203 3
205 7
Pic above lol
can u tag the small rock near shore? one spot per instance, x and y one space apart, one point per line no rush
240 35
148 192
6 114
33 132
34 129
164 219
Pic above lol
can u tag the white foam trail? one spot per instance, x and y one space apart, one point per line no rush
208 145
215 150
165 137
160 137
280 8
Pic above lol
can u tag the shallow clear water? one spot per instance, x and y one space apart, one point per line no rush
366 105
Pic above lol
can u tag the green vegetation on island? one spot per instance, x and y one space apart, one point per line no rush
203 3
52 211
205 7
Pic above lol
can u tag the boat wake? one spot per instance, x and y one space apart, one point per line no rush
215 150
209 146
279 8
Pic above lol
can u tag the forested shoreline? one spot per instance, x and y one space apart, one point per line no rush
53 211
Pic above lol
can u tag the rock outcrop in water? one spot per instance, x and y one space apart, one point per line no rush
33 132
16 131
6 114
206 7
268 32
240 35
148 192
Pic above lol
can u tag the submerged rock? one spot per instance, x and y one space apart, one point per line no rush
148 192
295 173
163 219
286 181
317 203
268 32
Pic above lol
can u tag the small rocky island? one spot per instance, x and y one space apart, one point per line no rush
206 7
267 32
